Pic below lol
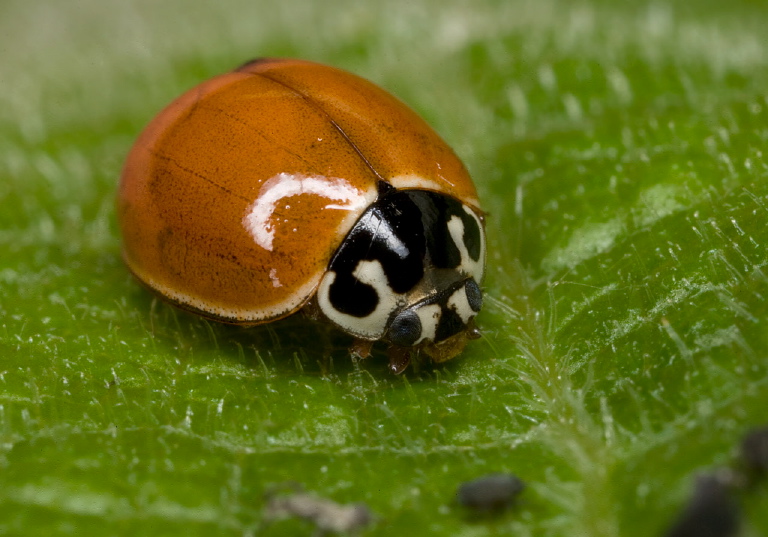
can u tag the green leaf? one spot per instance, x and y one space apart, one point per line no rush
619 151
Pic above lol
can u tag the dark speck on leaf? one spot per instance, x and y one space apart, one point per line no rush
754 452
490 493
711 511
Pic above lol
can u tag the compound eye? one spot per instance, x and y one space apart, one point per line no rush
474 295
405 329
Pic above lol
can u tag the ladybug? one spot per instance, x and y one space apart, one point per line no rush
288 185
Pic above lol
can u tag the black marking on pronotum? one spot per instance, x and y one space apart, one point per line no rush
351 296
407 233
388 232
472 235
436 212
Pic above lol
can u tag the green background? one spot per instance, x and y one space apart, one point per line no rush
619 149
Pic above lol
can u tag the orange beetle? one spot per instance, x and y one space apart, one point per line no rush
287 184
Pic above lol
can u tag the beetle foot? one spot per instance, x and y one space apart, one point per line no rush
473 332
399 359
361 348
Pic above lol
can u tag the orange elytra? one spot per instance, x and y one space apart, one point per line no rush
286 184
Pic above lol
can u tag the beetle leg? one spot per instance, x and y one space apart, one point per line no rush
473 332
399 359
361 348
311 310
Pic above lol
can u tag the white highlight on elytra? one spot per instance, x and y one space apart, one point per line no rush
258 218
373 325
456 229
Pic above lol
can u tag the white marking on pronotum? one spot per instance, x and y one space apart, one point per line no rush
456 229
258 217
373 325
